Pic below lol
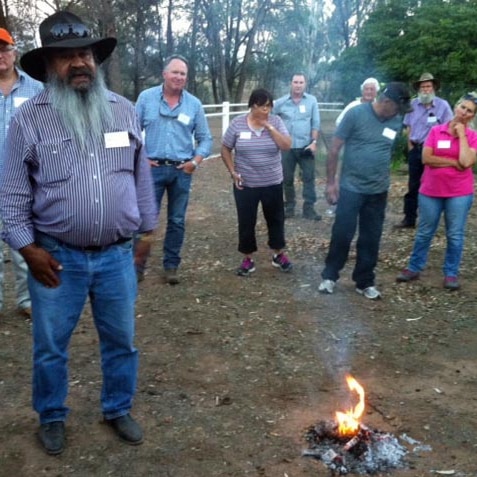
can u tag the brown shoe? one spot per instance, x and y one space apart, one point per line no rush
25 312
405 224
171 276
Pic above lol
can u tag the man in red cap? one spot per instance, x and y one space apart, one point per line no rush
15 88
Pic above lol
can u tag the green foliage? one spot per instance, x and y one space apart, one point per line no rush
399 155
403 39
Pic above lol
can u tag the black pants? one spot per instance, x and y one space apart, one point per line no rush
247 200
416 168
364 212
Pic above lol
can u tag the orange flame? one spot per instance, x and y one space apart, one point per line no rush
348 422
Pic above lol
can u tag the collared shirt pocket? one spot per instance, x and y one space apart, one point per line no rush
55 162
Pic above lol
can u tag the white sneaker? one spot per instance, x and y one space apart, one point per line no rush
327 286
371 292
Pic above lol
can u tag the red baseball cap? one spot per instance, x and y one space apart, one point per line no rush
6 37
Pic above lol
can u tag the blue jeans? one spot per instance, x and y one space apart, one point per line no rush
177 185
456 211
306 161
21 273
367 212
108 279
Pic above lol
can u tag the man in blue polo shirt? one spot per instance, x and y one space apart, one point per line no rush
177 140
300 113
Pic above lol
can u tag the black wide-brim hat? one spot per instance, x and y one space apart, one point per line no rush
64 30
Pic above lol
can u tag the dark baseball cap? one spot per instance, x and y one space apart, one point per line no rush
399 93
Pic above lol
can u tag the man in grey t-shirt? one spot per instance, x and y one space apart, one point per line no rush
368 133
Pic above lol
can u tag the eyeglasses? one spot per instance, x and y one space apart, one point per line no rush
6 49
263 106
62 30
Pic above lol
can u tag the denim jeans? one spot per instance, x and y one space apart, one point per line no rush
416 168
365 211
108 279
306 161
456 211
247 200
20 269
177 185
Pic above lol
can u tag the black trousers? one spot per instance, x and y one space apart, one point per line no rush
416 168
247 201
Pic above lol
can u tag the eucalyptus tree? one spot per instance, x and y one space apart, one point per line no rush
241 43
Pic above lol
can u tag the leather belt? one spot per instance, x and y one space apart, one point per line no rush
417 144
97 248
168 162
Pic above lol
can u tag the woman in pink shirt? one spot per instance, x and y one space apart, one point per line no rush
447 186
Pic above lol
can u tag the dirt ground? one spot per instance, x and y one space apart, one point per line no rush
233 370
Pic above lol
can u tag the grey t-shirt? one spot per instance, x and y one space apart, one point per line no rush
367 150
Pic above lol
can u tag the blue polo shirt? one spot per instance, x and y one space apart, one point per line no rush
24 89
177 133
299 118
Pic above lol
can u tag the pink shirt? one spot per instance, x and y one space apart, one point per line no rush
447 181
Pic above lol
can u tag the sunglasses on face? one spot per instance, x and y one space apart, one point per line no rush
62 30
471 97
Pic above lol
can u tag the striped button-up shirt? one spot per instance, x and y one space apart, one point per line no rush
173 133
24 88
83 196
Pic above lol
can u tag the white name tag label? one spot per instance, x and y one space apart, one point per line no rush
443 144
183 118
116 139
389 133
18 101
302 108
245 135
431 120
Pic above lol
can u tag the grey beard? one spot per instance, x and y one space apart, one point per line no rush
426 98
85 113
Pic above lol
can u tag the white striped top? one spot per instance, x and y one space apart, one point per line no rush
257 156
91 196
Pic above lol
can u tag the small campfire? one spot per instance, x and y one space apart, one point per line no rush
348 446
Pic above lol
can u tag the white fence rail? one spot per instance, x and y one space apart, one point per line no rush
226 110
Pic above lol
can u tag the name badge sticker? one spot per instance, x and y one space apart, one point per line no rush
245 135
184 119
389 133
302 108
443 144
431 120
116 139
18 101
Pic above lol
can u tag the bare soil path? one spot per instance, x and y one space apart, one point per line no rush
233 370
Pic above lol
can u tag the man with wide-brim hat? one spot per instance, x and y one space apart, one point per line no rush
64 30
77 187
425 77
428 111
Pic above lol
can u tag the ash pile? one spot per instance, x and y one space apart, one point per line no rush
366 452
